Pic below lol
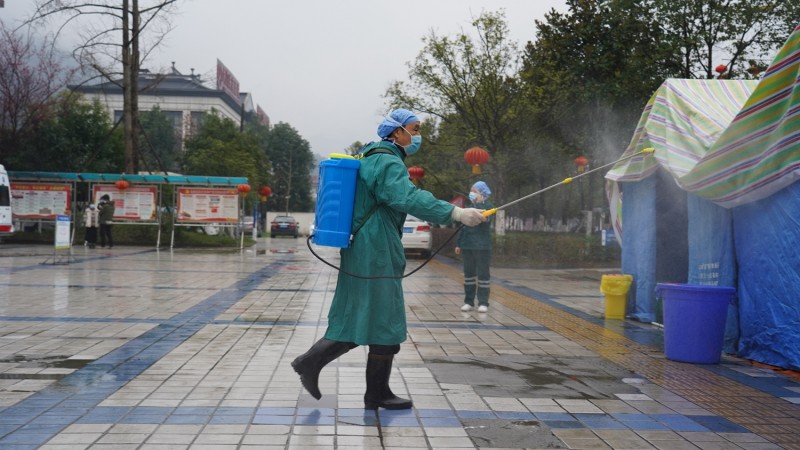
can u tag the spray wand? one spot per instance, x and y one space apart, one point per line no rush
567 180
486 213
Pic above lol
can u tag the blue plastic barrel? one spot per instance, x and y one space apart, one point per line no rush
335 201
694 321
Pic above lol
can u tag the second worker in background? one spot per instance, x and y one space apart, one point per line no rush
475 246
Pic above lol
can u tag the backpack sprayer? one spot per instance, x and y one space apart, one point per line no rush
336 200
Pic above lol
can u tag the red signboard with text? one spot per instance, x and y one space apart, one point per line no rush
208 205
133 203
226 82
40 200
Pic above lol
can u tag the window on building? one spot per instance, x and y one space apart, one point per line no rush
197 120
176 117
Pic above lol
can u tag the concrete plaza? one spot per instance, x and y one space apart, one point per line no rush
136 348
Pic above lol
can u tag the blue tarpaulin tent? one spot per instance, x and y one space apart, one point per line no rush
736 165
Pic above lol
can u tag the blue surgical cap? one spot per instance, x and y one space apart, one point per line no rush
482 188
396 119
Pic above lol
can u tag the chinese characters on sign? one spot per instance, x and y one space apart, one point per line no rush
226 82
62 232
208 205
39 200
134 203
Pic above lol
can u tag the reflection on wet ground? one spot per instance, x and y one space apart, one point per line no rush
144 348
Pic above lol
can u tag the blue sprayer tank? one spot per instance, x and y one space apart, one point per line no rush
335 201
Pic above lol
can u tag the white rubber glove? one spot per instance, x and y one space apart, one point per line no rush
468 216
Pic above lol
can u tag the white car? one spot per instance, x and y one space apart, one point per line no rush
417 236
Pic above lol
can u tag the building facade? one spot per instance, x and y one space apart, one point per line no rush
184 99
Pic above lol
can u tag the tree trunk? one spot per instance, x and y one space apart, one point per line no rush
134 71
127 114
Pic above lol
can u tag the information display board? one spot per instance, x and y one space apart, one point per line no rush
40 200
62 237
208 205
133 203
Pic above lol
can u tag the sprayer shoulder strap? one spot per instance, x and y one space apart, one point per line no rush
374 151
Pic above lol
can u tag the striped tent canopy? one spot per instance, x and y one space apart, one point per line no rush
682 120
729 141
759 153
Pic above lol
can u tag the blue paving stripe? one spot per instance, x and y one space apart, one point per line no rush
266 323
104 376
653 338
719 424
775 386
354 416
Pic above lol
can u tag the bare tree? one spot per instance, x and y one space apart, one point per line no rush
31 73
113 45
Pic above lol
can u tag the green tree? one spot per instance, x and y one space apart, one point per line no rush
354 148
590 73
292 163
220 149
75 137
739 34
472 86
160 145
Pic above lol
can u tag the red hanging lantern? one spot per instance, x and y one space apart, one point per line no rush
722 68
581 162
264 192
475 157
416 173
122 184
243 188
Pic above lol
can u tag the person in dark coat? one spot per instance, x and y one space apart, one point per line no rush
372 311
106 208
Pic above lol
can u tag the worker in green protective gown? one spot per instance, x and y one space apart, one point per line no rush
371 311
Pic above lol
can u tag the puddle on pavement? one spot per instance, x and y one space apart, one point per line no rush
510 434
530 376
42 362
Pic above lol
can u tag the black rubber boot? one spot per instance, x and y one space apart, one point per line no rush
309 364
379 368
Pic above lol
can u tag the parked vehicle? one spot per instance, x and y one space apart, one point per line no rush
284 226
417 236
6 224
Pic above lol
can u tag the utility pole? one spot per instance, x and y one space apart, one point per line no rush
289 184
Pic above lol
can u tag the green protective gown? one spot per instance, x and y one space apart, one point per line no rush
373 311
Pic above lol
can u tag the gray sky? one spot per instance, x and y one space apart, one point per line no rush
322 66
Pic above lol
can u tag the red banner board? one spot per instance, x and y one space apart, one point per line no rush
134 203
40 200
208 205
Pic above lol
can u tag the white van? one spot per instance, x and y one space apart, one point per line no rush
6 225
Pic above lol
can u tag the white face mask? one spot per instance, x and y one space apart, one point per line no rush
416 143
473 197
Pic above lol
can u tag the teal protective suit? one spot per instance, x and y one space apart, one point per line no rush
368 311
